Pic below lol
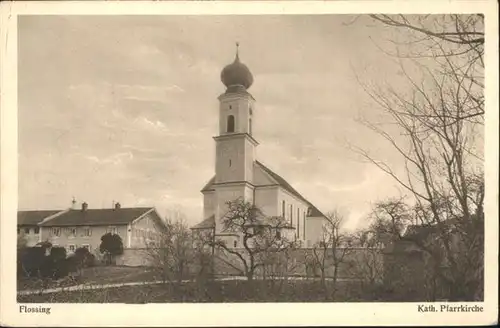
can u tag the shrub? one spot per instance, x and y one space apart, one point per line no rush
30 261
84 257
111 245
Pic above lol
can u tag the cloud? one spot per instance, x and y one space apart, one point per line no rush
115 159
126 107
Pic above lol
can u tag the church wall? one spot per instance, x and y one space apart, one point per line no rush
249 162
208 204
314 230
230 160
260 178
228 193
291 214
238 106
266 199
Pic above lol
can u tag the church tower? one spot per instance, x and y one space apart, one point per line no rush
235 144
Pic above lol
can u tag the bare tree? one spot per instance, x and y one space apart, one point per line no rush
435 126
260 236
366 264
445 258
332 251
454 45
172 251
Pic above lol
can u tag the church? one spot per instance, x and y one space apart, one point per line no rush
239 174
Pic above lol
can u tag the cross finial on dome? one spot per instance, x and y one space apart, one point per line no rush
237 50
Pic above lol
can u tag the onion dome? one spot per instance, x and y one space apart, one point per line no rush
236 74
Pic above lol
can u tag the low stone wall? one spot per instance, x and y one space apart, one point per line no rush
357 263
133 257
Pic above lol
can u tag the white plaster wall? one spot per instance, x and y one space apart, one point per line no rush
30 236
314 230
143 231
266 198
239 107
260 178
249 160
230 160
225 193
208 204
291 217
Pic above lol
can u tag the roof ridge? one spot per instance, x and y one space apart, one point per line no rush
53 216
285 184
98 216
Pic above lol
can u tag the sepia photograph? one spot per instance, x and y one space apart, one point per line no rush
252 158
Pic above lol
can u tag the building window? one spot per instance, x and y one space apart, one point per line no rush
87 232
298 225
298 222
87 246
235 243
230 107
230 163
56 231
72 232
283 209
304 226
71 248
27 231
230 123
112 230
37 230
250 126
251 111
291 215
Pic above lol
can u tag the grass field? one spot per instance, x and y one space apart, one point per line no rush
218 291
93 275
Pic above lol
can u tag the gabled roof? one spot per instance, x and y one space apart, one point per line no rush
34 217
208 223
96 217
313 211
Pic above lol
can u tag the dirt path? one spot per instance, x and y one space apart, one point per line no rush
123 284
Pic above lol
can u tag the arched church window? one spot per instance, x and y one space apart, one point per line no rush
230 123
304 225
298 225
283 209
250 126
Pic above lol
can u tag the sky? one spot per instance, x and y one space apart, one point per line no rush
124 108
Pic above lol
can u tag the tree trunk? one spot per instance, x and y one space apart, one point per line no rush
334 282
